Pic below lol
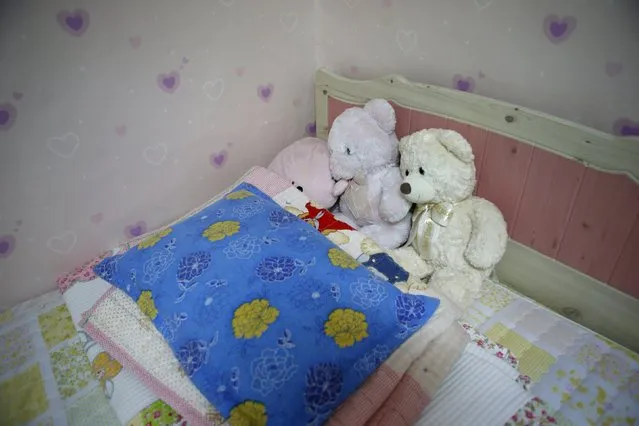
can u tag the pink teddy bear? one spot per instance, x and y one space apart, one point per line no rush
305 164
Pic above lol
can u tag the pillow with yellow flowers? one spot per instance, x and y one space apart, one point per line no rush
271 321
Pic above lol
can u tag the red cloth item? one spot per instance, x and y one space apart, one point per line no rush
323 220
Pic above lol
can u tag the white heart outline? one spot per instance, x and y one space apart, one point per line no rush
66 234
351 3
211 85
406 33
145 154
289 21
483 6
64 139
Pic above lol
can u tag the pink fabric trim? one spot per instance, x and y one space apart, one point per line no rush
192 416
267 181
404 405
385 399
86 315
80 274
368 399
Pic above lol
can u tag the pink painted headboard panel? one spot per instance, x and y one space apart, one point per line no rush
581 217
605 211
546 202
504 174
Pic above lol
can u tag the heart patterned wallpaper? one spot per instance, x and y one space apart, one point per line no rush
575 59
118 116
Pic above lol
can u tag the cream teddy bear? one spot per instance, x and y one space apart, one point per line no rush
462 237
363 154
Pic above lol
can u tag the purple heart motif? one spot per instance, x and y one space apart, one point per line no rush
311 129
8 114
7 244
136 230
626 127
218 159
559 29
465 84
613 68
75 23
265 92
169 82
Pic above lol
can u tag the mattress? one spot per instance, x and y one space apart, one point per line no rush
45 375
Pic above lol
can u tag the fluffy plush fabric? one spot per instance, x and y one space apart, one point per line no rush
461 236
363 152
305 165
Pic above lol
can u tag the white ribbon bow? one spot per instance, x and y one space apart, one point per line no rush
427 221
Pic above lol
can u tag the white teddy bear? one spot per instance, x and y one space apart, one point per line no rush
363 158
462 237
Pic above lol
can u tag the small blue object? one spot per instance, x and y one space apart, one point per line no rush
267 331
387 267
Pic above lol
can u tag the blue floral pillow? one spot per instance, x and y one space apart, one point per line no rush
272 322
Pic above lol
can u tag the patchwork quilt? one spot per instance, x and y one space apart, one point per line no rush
46 377
583 378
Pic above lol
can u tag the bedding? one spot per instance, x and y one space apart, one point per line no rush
45 375
115 319
133 402
488 311
280 311
474 370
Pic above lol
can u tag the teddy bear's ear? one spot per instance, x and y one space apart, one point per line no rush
383 112
403 142
457 145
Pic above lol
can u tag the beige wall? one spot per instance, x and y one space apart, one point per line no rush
589 74
98 147
94 145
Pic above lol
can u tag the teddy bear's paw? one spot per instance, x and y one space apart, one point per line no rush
340 187
462 287
416 286
407 258
413 285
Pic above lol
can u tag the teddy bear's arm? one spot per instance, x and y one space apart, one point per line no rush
461 286
489 235
393 207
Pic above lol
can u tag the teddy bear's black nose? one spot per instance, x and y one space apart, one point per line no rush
299 188
405 188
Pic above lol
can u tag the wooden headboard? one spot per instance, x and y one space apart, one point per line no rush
570 194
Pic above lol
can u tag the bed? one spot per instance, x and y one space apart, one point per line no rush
554 341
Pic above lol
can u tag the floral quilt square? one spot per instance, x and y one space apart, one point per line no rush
57 326
92 408
157 413
533 360
71 369
495 296
6 316
16 349
23 397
